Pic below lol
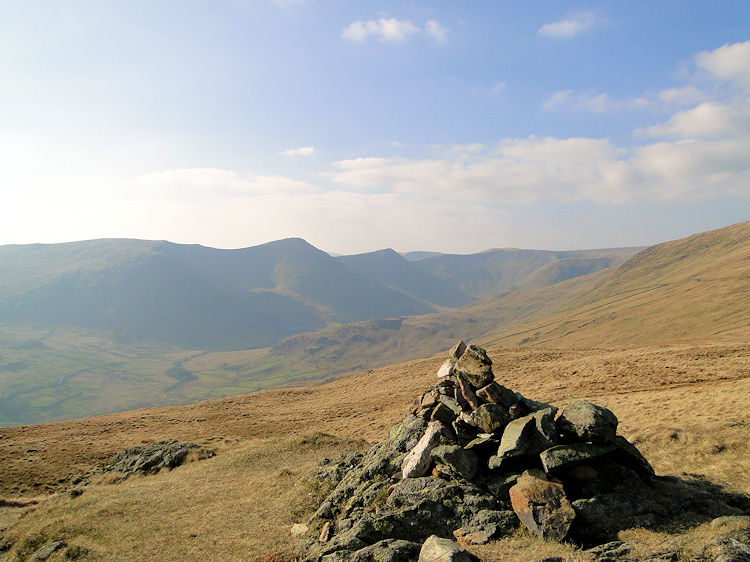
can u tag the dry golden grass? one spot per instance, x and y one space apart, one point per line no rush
685 406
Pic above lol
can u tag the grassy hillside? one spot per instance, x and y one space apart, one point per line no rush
241 504
694 288
489 273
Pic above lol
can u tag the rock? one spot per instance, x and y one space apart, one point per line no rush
482 444
152 458
418 460
388 550
562 457
446 369
459 460
542 506
490 418
495 393
724 549
48 550
584 421
299 530
457 350
443 413
325 532
628 455
527 436
451 403
465 433
611 551
468 393
436 549
604 515
475 367
486 526
428 399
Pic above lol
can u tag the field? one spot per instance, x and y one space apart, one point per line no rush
683 404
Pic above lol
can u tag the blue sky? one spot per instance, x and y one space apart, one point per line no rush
360 125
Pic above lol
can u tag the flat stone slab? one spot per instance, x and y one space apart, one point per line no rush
561 457
542 506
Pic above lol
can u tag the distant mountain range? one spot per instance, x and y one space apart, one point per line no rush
197 297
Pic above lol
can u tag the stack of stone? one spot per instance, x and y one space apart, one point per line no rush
472 460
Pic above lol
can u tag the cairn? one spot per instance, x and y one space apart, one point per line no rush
471 462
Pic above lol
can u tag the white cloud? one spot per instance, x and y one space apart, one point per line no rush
301 151
433 29
571 26
391 30
534 170
386 30
730 63
707 120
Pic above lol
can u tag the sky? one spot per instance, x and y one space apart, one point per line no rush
442 126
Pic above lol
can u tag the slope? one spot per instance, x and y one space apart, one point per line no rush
693 288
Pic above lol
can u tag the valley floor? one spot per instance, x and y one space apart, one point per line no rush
684 405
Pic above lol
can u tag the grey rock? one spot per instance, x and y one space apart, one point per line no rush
418 460
451 403
436 549
528 435
388 550
584 421
495 393
490 418
486 526
151 458
475 367
457 350
443 413
611 551
48 550
562 457
465 433
459 460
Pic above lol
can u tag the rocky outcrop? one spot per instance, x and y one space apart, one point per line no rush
153 457
472 461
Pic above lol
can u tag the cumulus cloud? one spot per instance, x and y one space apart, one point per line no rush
534 170
729 62
571 26
301 151
392 30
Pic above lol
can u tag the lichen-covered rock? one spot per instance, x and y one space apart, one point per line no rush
388 550
457 350
48 550
475 367
151 458
526 436
584 421
436 549
460 461
491 418
542 506
486 526
563 457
